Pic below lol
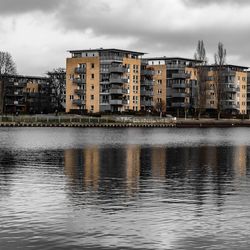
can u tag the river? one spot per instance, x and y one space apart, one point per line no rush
134 188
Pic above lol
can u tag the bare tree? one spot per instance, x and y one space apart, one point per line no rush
58 87
220 60
7 65
160 106
200 90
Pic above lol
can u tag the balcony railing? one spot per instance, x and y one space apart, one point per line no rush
118 80
118 69
147 92
175 66
147 103
15 84
79 81
180 85
147 72
80 70
231 88
147 82
182 95
118 102
181 75
180 105
80 91
230 106
78 102
112 58
118 91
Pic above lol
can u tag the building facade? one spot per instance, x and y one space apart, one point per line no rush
103 80
173 81
226 89
248 92
25 94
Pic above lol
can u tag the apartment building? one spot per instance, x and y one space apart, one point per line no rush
248 92
147 87
226 89
103 80
25 94
173 81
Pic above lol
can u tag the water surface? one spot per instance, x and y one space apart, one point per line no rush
73 188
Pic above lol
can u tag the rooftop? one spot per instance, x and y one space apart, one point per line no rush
172 58
23 77
227 65
107 50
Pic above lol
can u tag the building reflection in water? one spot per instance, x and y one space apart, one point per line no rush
197 169
240 160
133 163
82 165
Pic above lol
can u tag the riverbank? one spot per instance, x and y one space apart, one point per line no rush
116 121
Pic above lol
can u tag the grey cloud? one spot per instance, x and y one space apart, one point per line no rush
202 3
23 6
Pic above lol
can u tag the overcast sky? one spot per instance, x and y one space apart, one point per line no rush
38 33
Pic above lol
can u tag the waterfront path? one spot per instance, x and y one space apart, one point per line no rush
115 121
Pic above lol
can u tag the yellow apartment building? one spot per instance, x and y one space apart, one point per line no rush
173 81
228 86
103 80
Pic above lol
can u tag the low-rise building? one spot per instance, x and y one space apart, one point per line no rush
25 94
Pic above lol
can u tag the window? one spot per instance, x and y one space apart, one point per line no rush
92 76
92 97
92 65
92 87
159 81
92 108
243 79
71 97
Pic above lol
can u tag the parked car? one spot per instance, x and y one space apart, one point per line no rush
170 117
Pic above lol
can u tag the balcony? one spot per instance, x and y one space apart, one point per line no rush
147 82
175 66
181 95
230 106
80 70
14 93
79 81
118 80
112 58
180 75
118 69
147 72
231 88
229 73
80 91
15 84
119 91
147 103
78 102
180 85
147 92
118 102
180 105
15 103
